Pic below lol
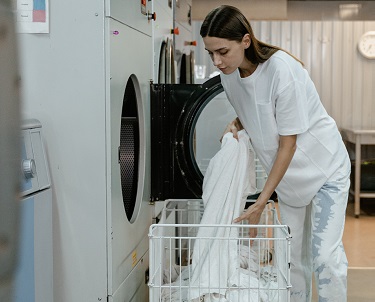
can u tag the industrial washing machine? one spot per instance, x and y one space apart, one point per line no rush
187 119
162 36
34 274
164 65
183 43
186 126
130 139
129 211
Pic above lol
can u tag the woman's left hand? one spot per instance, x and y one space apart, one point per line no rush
234 126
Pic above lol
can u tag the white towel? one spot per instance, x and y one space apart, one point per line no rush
229 179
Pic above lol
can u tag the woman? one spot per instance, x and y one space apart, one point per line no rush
298 144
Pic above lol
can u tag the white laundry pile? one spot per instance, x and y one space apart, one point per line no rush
222 269
252 283
229 179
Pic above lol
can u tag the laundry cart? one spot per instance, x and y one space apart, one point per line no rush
187 265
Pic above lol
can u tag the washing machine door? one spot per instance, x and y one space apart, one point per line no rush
162 64
166 74
184 70
187 122
192 64
187 68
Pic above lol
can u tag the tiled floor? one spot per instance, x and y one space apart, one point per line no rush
359 242
359 237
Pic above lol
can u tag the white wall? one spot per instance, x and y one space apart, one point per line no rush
344 79
291 9
252 9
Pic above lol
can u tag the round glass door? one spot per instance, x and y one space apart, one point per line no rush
211 122
216 114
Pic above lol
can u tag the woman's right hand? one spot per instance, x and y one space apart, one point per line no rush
252 215
234 126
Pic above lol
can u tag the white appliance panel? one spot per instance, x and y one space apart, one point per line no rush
131 13
33 158
127 240
34 274
135 287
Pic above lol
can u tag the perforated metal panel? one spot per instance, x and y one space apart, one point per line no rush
129 150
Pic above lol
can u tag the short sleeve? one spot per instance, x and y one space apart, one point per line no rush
292 109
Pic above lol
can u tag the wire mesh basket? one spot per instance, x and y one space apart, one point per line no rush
186 264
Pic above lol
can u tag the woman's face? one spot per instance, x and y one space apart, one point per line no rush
227 55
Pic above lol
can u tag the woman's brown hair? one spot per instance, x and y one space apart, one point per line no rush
229 23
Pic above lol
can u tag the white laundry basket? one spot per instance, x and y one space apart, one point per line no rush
263 272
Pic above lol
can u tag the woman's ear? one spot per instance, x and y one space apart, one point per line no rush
246 40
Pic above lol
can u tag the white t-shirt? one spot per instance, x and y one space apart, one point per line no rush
279 98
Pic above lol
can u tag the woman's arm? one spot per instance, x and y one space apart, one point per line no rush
287 148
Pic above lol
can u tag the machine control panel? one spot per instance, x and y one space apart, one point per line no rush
35 175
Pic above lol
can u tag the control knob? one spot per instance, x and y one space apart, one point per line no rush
29 168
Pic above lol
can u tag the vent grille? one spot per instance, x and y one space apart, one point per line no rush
128 158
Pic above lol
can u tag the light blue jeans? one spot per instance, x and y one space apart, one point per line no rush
316 245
